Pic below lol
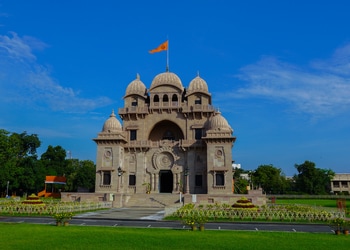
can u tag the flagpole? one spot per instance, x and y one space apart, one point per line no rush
167 58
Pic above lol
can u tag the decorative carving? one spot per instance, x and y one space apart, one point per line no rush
163 158
107 157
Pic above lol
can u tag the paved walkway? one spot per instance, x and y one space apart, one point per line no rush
126 214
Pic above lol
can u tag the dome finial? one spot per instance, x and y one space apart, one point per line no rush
137 76
198 73
112 114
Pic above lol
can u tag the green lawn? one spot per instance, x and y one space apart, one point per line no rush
33 236
312 202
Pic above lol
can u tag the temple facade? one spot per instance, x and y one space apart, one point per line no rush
170 140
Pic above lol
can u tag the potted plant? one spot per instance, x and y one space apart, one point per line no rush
59 218
346 225
201 219
338 224
190 220
66 218
62 218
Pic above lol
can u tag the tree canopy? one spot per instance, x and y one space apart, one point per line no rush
270 179
312 180
20 166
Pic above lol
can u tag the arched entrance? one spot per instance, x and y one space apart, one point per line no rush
165 181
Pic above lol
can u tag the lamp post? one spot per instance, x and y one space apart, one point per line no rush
7 189
120 173
187 182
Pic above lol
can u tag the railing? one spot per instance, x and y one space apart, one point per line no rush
171 143
288 196
51 208
133 110
198 107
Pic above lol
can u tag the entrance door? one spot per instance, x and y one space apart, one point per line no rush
165 181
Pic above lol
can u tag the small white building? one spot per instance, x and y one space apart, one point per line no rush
341 183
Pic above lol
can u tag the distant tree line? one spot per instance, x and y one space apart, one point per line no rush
309 180
25 172
21 167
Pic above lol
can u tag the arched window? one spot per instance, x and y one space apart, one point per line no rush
156 100
165 100
134 102
198 100
174 98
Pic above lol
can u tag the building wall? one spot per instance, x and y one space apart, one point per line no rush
341 184
171 146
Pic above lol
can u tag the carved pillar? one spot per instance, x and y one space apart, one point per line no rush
187 190
157 183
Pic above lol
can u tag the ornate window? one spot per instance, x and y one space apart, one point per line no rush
156 100
165 98
219 179
106 178
132 180
198 100
198 133
133 135
134 102
174 100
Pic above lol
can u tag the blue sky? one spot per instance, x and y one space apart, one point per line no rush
279 71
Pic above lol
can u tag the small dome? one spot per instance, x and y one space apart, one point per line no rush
198 85
218 122
112 124
167 78
136 87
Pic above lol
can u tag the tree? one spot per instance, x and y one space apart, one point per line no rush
54 161
312 180
18 159
80 174
85 175
269 178
240 183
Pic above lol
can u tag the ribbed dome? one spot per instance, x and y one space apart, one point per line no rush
112 124
167 78
198 85
218 122
136 87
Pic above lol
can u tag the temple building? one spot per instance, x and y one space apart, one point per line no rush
170 140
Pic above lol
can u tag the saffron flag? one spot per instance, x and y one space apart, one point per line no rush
162 47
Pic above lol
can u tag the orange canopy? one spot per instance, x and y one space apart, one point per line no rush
56 179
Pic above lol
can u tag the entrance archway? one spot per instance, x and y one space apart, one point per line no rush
165 181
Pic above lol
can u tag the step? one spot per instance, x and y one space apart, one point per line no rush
153 200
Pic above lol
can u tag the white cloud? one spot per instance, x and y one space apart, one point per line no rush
16 47
24 81
322 88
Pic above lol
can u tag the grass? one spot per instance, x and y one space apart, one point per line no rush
311 202
33 236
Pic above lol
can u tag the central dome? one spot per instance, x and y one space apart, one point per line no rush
167 78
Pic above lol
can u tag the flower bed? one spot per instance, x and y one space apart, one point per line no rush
266 213
49 207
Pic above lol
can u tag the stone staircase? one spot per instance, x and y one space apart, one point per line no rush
153 200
